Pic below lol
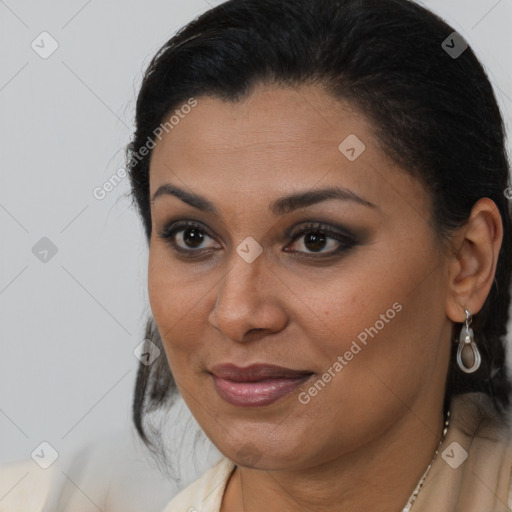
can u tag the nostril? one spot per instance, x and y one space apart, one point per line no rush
253 332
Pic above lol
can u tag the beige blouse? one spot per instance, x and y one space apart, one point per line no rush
472 472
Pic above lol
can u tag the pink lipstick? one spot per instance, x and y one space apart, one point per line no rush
257 384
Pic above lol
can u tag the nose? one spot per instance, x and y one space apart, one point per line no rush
248 301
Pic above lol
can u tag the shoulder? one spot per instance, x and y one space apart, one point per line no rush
204 494
113 470
508 476
491 442
24 486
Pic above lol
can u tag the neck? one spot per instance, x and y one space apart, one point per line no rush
378 476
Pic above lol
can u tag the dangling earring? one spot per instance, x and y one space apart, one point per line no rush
466 345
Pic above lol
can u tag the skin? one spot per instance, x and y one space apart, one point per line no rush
382 414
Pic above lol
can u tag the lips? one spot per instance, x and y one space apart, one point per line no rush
256 372
256 385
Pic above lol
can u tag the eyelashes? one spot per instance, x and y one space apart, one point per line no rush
196 231
343 240
193 235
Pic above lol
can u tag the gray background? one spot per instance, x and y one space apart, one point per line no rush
68 327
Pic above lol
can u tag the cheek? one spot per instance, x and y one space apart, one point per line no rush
160 288
173 292
178 303
167 304
369 316
341 306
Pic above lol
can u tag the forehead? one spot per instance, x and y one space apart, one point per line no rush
300 126
276 140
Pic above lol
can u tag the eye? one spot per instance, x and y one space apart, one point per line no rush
189 237
186 237
317 237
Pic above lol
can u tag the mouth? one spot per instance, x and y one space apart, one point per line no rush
256 385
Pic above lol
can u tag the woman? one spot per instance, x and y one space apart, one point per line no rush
329 264
323 190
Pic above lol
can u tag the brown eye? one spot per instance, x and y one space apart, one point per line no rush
192 237
185 237
317 237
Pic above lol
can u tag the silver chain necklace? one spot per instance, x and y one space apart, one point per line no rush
416 491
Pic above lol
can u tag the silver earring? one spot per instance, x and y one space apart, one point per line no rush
468 355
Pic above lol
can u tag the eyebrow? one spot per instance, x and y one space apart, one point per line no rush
280 206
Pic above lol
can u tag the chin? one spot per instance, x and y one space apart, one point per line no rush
264 456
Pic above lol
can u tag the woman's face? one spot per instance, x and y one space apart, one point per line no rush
349 289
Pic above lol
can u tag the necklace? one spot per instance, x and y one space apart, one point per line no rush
416 491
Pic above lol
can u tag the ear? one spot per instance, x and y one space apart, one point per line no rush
473 263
